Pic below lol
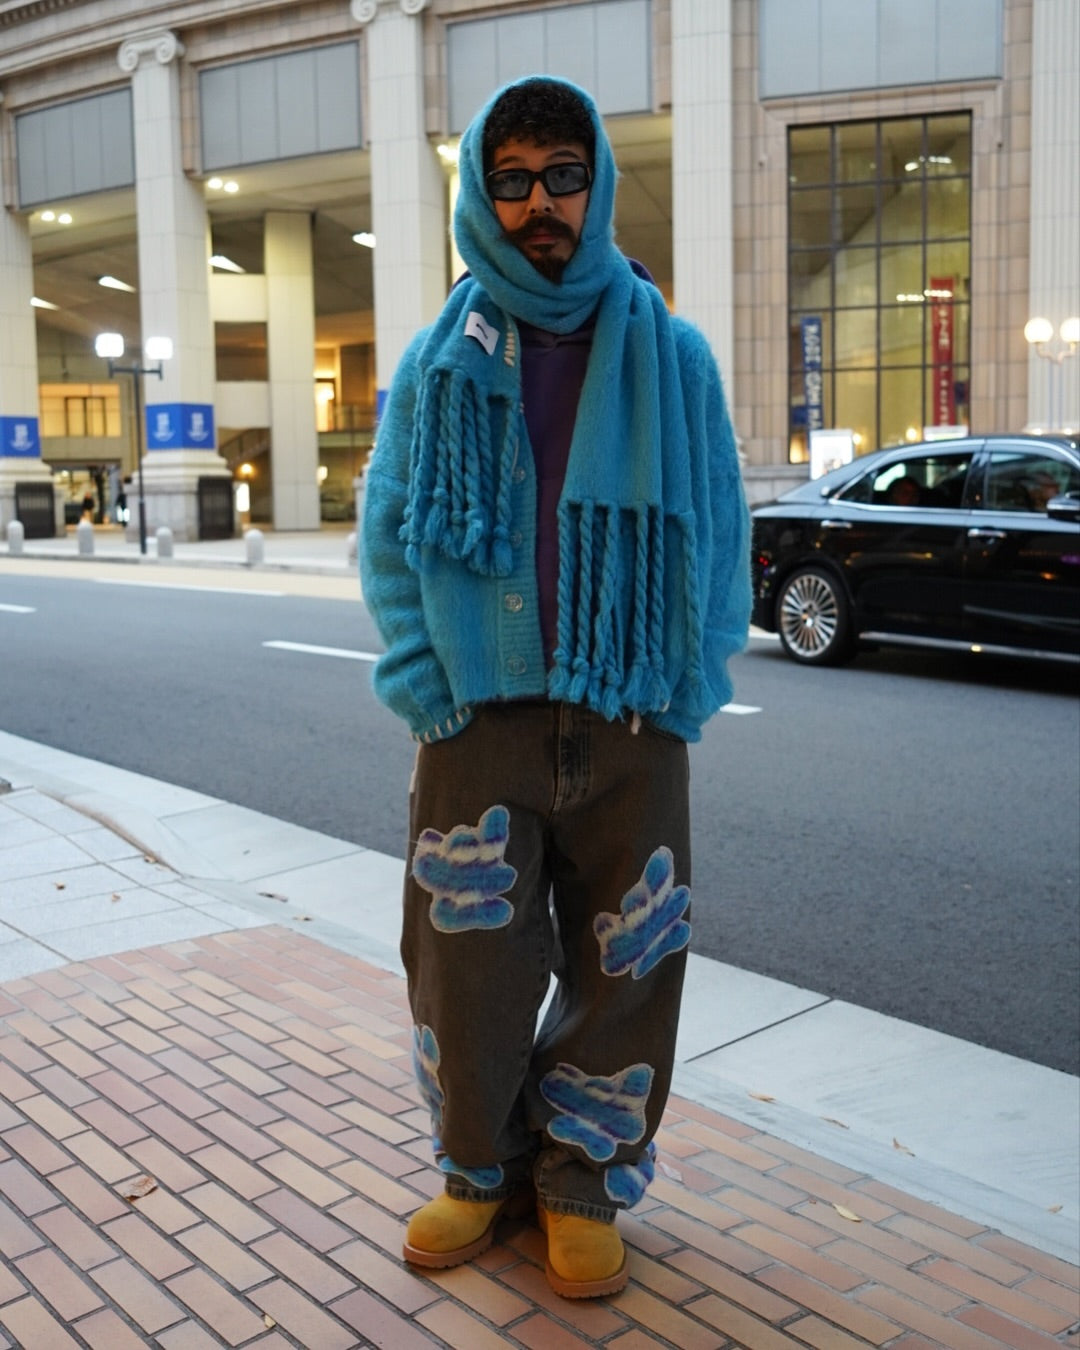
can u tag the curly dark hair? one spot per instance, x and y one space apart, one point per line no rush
538 110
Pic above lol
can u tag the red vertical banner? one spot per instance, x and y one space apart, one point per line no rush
941 341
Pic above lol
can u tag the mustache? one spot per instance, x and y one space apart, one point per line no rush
541 225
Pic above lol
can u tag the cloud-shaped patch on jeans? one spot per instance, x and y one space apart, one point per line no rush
597 1114
649 925
625 1183
425 1061
483 1178
465 871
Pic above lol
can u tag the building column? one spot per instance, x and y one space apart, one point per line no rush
290 336
20 438
701 170
174 292
1054 279
408 190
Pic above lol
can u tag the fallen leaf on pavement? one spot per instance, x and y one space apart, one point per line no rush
60 885
115 895
136 1189
273 895
830 1121
268 1320
671 1172
761 1096
846 1213
902 1147
1054 1209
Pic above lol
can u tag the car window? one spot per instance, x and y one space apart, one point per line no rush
935 480
1020 480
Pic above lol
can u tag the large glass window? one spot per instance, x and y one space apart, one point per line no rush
80 409
879 230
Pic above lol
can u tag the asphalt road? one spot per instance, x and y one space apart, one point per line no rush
903 833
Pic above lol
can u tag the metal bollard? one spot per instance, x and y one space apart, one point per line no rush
350 547
163 537
84 537
254 547
15 536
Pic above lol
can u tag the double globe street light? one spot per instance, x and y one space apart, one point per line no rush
1039 333
110 347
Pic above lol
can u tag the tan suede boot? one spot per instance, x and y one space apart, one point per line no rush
447 1232
586 1257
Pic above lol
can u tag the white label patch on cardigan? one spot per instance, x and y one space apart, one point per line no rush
476 327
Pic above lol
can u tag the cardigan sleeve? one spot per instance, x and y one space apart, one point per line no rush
727 614
724 528
408 678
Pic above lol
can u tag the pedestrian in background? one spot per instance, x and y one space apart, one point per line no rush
556 552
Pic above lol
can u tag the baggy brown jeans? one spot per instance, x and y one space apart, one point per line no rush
547 842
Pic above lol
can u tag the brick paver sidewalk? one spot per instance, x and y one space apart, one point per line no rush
216 1142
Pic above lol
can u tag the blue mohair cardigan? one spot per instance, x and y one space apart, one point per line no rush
456 637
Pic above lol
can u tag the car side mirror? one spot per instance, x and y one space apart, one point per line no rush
1064 508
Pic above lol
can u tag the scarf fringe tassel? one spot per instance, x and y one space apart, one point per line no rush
460 473
608 655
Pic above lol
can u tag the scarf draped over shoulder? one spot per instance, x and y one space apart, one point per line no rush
627 543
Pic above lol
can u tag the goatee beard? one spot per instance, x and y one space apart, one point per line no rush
549 266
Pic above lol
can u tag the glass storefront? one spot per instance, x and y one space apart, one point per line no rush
879 263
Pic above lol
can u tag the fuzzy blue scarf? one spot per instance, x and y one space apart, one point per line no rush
626 514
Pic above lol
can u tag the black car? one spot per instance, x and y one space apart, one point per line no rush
969 544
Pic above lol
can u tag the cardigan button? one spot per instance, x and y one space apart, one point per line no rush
516 665
515 539
519 474
513 603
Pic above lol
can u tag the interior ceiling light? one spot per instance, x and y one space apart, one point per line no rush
224 264
448 153
64 218
366 238
42 304
215 183
50 216
231 186
115 284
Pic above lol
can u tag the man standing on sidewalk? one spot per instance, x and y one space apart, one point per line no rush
556 551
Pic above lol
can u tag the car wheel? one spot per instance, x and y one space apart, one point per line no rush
813 619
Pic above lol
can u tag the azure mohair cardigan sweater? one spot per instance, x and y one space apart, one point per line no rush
457 637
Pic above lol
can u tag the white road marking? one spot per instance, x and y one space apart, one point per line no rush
739 709
18 609
179 586
343 652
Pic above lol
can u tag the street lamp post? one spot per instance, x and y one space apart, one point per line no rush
110 346
1039 333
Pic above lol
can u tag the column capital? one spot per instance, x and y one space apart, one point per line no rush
363 11
161 43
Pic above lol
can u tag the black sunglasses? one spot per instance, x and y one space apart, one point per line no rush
559 180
